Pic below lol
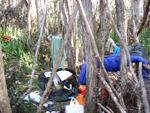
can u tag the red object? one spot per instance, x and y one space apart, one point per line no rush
104 93
7 37
82 89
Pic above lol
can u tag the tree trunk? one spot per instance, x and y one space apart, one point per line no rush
37 12
91 70
103 27
145 16
143 89
123 58
120 13
91 100
4 99
29 19
135 18
69 48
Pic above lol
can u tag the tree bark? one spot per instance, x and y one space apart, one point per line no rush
103 27
120 13
135 18
29 19
70 55
91 78
4 99
144 93
145 16
37 12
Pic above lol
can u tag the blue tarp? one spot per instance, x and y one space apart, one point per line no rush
112 64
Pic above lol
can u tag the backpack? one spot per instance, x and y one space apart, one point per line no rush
136 49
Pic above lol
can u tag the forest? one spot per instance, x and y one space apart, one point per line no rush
74 56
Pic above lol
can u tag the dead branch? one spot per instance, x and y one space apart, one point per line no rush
144 94
118 95
36 52
103 108
95 48
89 31
58 60
139 103
124 45
109 109
112 94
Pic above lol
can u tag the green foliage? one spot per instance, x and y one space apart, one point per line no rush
26 107
16 85
18 61
145 40
16 49
114 36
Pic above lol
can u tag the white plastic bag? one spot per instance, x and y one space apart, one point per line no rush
34 96
74 107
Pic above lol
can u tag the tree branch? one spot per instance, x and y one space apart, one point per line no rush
94 44
144 17
144 94
112 94
102 107
58 60
123 44
36 52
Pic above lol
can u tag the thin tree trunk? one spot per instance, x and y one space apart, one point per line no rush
144 17
4 99
144 93
91 81
120 13
37 12
135 5
135 18
29 19
124 45
103 27
88 28
37 50
69 48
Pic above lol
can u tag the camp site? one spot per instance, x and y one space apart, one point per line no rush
74 56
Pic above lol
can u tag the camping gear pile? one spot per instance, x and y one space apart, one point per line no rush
68 87
64 89
64 84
